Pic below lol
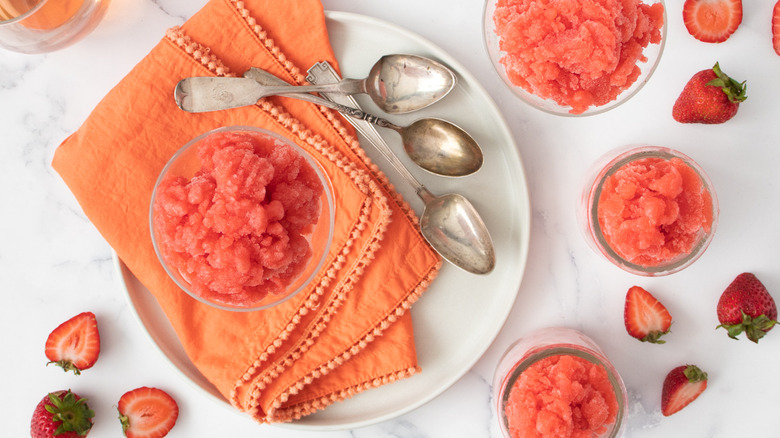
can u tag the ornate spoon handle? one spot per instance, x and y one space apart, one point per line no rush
323 71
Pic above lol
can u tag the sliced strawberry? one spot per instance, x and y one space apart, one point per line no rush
75 344
645 317
712 21
147 413
682 386
776 28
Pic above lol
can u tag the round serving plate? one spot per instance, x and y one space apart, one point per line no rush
459 316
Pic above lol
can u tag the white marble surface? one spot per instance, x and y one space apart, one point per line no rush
53 263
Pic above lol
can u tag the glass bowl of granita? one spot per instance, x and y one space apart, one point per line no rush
557 382
650 210
242 218
574 58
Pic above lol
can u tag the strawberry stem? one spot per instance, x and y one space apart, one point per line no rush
755 328
125 421
735 91
654 337
694 374
74 415
66 366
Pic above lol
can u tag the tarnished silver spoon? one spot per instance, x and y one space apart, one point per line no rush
436 145
448 222
404 83
397 84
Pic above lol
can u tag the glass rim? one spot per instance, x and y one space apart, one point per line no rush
329 209
550 106
633 153
537 353
23 15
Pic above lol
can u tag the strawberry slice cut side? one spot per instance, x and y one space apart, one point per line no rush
75 344
645 317
712 21
147 412
776 28
682 385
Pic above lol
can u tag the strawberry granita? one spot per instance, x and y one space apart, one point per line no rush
654 210
237 229
579 53
562 396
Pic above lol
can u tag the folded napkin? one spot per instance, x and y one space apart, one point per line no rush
350 330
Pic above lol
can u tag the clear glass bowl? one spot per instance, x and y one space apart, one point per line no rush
185 164
493 44
38 26
588 209
542 344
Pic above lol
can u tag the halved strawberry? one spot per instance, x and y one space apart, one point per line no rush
75 344
776 28
681 386
712 21
147 413
645 317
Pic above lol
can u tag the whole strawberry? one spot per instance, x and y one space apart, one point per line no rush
746 306
62 414
710 97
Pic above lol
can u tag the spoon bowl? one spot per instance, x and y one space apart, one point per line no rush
400 84
453 227
441 147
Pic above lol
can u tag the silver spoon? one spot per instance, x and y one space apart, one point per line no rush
448 222
404 83
397 84
436 145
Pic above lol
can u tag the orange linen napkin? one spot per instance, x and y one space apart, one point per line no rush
350 330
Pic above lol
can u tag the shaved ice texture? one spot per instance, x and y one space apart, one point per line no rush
579 53
236 230
561 396
653 210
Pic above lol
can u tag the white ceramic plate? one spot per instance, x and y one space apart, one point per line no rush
459 316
